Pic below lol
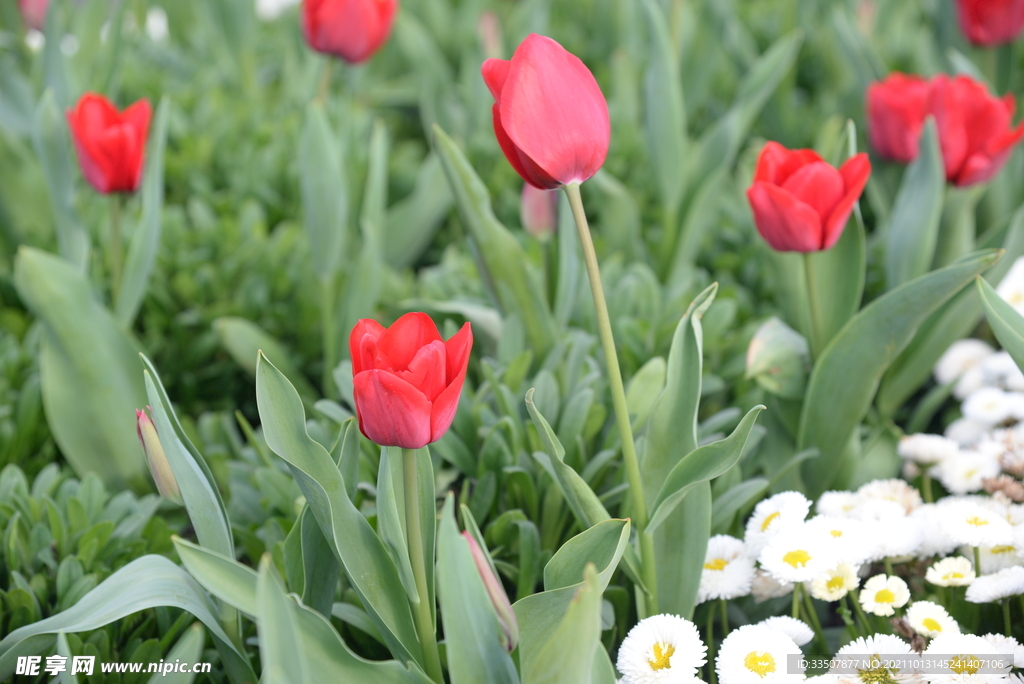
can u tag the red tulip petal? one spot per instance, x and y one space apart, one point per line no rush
982 166
949 103
400 343
350 29
524 166
495 73
786 223
554 112
428 370
459 345
445 406
362 344
897 108
391 411
776 163
817 184
855 173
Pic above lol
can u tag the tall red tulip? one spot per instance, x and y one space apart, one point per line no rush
33 13
897 108
550 116
975 129
111 145
800 202
350 29
407 379
991 22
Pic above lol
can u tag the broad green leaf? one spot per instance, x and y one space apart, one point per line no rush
413 221
280 646
89 369
324 195
391 515
684 535
1006 323
50 137
64 649
672 429
515 287
857 49
913 228
584 503
188 649
846 376
320 567
224 577
702 212
568 657
17 103
243 339
471 629
958 226
146 582
144 243
541 615
702 465
643 390
348 462
373 574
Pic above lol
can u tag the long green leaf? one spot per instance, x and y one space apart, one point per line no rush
242 339
324 193
1006 323
224 577
413 221
280 647
188 649
568 657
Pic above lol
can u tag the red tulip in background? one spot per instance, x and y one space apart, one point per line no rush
550 116
975 129
800 202
350 29
897 107
538 211
33 13
407 380
110 144
991 22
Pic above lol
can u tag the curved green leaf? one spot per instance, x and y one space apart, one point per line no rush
1006 323
324 196
568 657
242 339
188 649
224 577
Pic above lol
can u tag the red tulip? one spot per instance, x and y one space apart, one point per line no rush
110 144
800 202
550 116
991 22
974 129
897 108
33 13
538 210
350 29
407 380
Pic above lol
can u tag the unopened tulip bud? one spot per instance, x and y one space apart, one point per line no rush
538 210
499 599
33 13
488 27
156 458
778 359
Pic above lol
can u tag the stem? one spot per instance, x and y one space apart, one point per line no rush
1004 68
618 392
725 616
711 644
1007 625
977 561
422 612
114 255
888 566
812 306
796 601
926 485
855 600
819 634
325 80
329 334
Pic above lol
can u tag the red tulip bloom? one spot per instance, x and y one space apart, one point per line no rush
974 129
550 116
110 144
897 108
350 29
800 202
991 22
33 13
407 380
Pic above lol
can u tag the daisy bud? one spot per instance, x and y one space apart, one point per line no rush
499 599
157 460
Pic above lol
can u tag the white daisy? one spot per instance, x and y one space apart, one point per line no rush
965 472
661 649
755 654
969 383
960 658
930 619
961 356
837 504
848 537
969 523
997 586
797 630
988 405
999 557
728 570
882 594
861 657
894 490
955 571
1001 370
927 449
890 533
772 515
934 540
765 586
836 583
791 556
1009 646
1011 287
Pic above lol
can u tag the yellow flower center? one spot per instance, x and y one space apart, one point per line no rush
716 564
797 559
931 625
769 520
1003 549
885 596
835 583
965 664
662 656
953 575
836 533
761 664
977 522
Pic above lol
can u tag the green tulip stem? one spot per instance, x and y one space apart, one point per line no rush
618 392
114 255
330 341
1007 624
325 80
812 307
423 614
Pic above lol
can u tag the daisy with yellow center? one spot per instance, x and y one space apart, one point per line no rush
972 524
955 571
836 583
930 619
861 660
661 649
965 659
755 654
796 556
773 515
883 594
728 570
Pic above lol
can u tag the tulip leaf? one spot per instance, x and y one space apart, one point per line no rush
391 514
701 465
222 576
913 228
147 582
412 222
144 243
280 647
515 287
471 628
242 339
50 138
189 649
324 196
846 376
373 574
319 565
89 370
570 653
540 615
570 264
958 226
1006 323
